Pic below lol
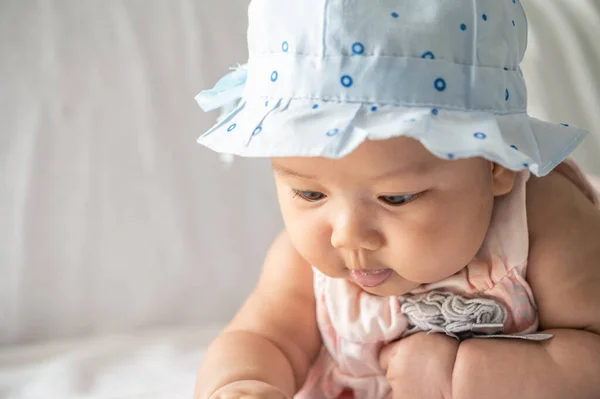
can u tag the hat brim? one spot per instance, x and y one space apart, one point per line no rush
307 128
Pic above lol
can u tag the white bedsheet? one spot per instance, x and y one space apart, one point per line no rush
161 364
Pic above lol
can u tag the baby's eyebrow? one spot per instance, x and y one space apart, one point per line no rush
411 168
287 172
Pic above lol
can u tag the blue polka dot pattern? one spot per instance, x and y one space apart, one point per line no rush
333 132
347 81
526 165
513 22
514 147
450 156
358 48
404 83
440 84
565 124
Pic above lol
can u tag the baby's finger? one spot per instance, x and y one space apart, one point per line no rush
249 390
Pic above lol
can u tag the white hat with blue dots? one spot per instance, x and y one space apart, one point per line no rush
325 75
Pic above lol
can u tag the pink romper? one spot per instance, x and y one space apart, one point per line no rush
355 325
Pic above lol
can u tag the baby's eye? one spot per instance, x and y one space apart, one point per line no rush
310 196
397 200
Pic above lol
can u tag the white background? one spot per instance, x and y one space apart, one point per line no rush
111 217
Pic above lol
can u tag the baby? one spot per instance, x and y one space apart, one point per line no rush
438 243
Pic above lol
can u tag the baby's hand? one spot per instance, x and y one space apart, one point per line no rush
420 366
249 390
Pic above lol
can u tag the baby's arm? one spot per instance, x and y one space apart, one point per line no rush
274 338
564 273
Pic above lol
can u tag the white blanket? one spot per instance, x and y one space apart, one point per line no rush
144 365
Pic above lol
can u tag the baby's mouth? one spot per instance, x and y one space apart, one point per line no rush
371 278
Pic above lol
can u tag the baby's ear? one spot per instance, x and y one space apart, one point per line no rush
503 179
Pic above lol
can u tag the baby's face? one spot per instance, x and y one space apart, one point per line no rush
390 216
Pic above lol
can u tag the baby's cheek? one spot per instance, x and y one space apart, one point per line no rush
434 250
313 243
463 229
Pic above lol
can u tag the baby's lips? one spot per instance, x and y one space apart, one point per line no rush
372 278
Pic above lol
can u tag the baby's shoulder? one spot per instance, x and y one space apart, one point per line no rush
561 203
564 254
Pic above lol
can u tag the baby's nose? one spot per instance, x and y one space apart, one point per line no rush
354 231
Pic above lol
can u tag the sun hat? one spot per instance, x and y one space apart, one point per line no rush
323 76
